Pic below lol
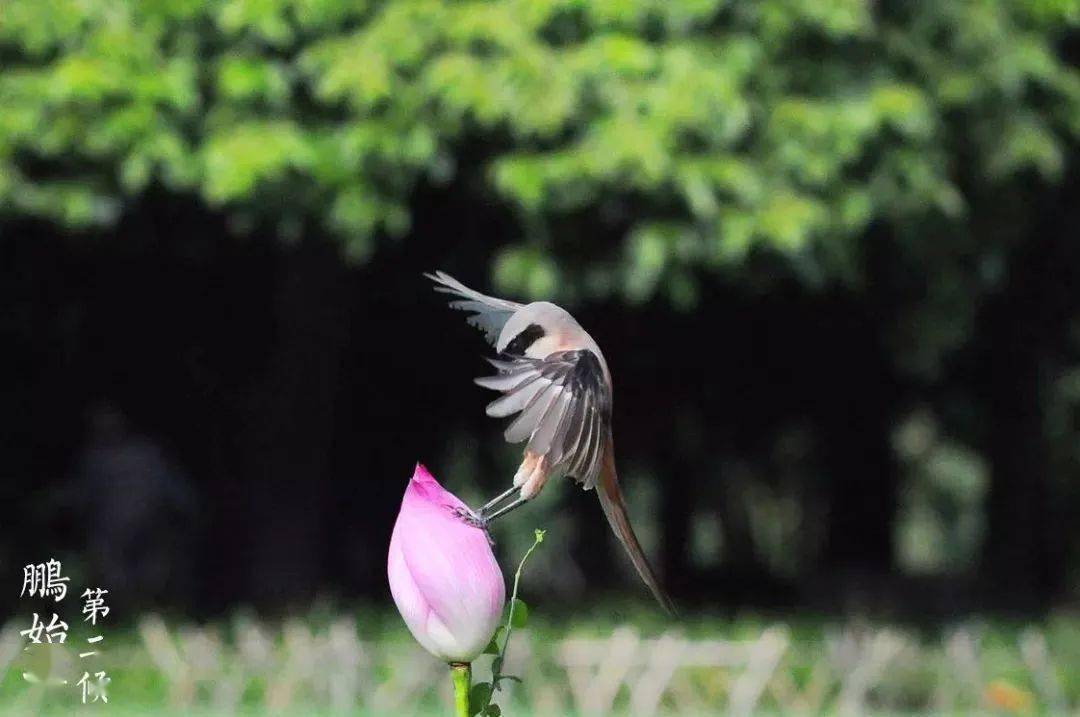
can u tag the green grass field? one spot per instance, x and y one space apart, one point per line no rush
365 664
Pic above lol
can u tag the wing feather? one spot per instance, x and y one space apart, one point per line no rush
525 425
488 313
540 441
569 430
583 453
507 381
563 404
518 399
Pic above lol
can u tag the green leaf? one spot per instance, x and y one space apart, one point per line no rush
519 613
479 697
493 711
539 534
493 646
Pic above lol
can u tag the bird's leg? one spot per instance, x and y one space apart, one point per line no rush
528 465
536 479
529 479
481 517
505 509
530 486
494 502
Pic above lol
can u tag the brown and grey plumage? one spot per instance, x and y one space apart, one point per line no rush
555 382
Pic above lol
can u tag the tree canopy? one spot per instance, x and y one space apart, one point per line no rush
695 130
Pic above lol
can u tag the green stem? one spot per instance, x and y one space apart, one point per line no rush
513 595
462 674
496 666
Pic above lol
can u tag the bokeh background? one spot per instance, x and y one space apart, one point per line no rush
830 249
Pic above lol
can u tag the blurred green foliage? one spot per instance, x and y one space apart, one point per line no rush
708 128
246 667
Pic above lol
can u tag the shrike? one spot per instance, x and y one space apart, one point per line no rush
553 376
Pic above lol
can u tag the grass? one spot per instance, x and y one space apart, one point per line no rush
365 664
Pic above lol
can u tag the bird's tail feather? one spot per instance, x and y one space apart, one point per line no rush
611 500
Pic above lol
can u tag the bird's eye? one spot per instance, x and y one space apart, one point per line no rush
522 342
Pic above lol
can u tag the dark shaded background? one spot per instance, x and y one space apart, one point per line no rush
210 420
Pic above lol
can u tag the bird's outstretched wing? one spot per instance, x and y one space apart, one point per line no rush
488 313
563 408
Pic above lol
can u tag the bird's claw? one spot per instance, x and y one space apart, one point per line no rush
476 520
470 518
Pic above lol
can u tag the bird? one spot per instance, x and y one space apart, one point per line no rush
555 380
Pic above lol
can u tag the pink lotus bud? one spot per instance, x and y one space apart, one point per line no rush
443 575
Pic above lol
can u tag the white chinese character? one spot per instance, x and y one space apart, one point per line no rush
56 628
94 690
33 580
91 640
44 580
94 606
